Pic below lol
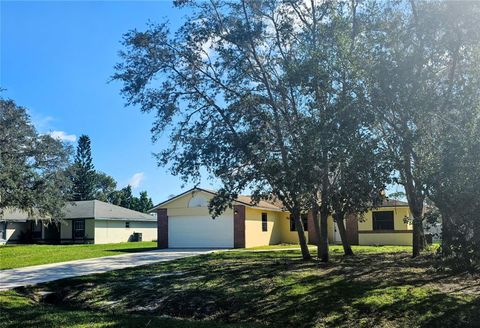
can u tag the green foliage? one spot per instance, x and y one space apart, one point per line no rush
83 178
311 105
144 202
263 95
32 166
455 184
88 184
125 198
398 195
360 180
420 61
105 185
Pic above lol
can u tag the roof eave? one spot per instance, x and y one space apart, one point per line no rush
152 210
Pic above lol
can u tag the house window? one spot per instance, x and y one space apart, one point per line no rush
264 222
78 229
292 224
383 220
304 218
127 224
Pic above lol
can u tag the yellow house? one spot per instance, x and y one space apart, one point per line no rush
184 221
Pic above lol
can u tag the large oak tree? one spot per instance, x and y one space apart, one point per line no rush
32 166
416 54
260 93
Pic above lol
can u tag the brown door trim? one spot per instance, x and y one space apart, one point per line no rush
239 226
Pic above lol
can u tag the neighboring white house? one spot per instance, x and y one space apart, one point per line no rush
89 221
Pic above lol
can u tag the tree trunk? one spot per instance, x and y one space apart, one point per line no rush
323 238
418 233
446 234
301 236
416 238
316 225
415 197
347 249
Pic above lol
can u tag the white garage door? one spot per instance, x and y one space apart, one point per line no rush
200 232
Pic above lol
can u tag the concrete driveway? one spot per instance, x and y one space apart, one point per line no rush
48 272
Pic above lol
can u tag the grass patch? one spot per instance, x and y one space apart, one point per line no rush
20 310
275 289
17 256
338 248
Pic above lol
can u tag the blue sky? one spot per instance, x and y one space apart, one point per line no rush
56 60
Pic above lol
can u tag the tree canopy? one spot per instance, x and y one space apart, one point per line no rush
263 93
83 175
310 103
420 64
32 166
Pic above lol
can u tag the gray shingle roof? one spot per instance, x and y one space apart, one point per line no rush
101 210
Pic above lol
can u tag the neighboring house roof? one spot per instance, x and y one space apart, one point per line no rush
100 210
15 215
241 199
87 209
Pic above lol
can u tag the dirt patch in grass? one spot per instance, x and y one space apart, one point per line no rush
279 289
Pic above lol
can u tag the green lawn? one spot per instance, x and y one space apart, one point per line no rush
337 248
17 256
379 287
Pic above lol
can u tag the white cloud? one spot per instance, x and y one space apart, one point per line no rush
40 121
207 49
136 179
62 135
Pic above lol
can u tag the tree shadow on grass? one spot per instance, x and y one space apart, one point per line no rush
18 311
279 289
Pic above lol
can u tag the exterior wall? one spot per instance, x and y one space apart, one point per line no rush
254 236
402 234
292 236
114 231
182 202
287 236
15 229
400 239
179 207
66 230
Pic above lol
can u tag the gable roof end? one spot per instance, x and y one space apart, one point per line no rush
241 199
